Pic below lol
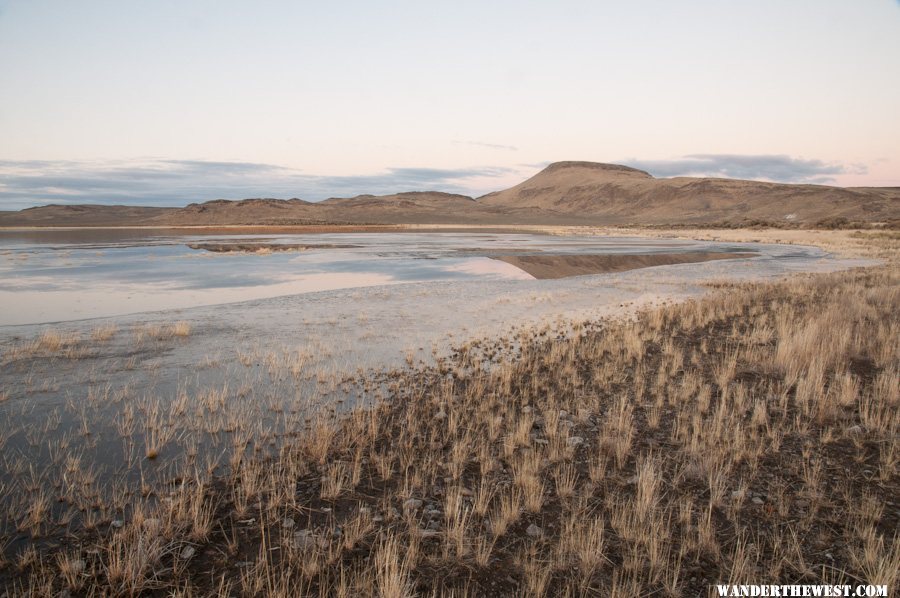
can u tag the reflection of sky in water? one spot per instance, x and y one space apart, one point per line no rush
180 267
52 275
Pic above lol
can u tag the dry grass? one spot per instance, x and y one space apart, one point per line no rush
748 436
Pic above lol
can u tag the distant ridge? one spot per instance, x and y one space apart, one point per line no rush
563 193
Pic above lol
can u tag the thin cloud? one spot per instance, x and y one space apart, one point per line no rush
780 168
497 146
163 182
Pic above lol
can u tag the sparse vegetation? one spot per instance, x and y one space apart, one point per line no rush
749 436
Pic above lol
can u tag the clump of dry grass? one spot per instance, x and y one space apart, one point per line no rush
181 328
104 333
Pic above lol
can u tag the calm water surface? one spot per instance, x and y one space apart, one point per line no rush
51 276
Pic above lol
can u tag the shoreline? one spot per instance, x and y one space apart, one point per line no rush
570 468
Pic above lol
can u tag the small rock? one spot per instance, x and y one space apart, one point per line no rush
526 409
152 525
188 553
288 523
632 480
756 500
856 430
412 504
563 414
117 523
828 556
541 441
434 524
304 540
428 533
440 415
738 494
465 491
575 441
377 519
534 531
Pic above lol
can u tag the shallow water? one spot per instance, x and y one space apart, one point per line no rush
54 276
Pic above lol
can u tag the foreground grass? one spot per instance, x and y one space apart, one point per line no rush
752 436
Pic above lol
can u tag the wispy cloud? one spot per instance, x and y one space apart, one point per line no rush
780 168
162 182
496 146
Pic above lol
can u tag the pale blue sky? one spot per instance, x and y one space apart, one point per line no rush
176 101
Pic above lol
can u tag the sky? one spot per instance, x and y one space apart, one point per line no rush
170 102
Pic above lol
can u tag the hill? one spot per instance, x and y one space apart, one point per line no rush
620 195
564 193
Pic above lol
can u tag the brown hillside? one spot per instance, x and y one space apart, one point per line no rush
564 193
617 195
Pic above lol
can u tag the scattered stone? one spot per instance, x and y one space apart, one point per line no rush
440 415
288 523
377 519
152 525
465 491
575 441
632 480
188 553
434 524
425 534
534 531
117 523
412 504
304 539
738 494
856 430
757 500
